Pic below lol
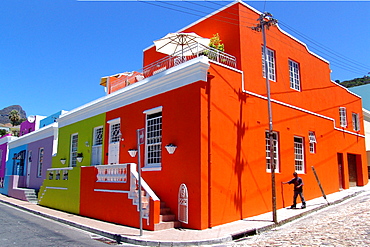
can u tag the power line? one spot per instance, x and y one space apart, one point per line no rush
338 60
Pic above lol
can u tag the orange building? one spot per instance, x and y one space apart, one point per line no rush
214 110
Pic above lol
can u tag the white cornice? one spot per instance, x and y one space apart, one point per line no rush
7 139
189 72
47 131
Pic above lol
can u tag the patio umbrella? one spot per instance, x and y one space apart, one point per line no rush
174 43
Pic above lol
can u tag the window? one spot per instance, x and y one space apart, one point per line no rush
98 136
115 132
40 162
298 154
96 150
276 153
294 75
343 116
312 139
74 145
270 64
356 122
154 137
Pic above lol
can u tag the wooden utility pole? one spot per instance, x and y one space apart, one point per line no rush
265 21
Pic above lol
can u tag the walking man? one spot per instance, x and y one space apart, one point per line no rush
298 190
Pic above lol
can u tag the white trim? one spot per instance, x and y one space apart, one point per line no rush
57 188
34 136
114 121
151 168
186 73
153 110
61 168
295 107
111 191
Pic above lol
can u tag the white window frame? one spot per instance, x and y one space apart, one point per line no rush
276 151
101 130
73 150
40 161
299 164
153 140
312 140
96 150
356 121
270 64
295 81
343 116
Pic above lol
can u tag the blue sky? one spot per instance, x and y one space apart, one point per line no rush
54 52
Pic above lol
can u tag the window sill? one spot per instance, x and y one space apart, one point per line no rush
151 168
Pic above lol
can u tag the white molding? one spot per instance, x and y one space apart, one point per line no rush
292 106
111 191
184 74
56 188
34 136
153 110
112 121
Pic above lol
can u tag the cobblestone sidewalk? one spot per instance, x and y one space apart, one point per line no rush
345 224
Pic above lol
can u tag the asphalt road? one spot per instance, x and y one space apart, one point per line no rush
344 224
19 228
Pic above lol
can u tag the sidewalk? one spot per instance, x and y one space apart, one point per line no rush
185 237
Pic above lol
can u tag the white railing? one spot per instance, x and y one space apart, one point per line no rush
118 174
195 50
112 173
146 192
58 173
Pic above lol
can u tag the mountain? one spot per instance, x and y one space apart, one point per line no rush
356 82
4 113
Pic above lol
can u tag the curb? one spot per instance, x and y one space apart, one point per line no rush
232 237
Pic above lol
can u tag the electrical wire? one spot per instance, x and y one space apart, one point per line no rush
337 59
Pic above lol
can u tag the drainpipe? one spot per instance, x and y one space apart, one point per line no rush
208 92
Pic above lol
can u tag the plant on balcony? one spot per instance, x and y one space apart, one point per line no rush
215 42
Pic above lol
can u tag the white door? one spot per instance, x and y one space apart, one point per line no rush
114 140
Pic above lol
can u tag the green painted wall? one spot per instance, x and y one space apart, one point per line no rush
64 194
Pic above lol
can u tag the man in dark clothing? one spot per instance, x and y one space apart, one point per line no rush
298 190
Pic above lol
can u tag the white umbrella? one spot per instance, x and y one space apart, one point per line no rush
186 43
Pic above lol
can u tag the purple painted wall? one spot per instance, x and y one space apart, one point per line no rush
3 152
35 181
26 127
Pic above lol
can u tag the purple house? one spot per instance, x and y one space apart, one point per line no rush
4 140
37 149
31 124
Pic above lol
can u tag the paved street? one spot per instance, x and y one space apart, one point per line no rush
19 228
345 224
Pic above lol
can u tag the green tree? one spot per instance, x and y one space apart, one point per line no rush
3 132
14 117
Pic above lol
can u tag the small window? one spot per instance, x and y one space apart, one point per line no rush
270 64
312 139
275 153
343 116
356 122
73 152
40 162
298 154
295 82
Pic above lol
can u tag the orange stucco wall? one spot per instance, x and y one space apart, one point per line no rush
220 129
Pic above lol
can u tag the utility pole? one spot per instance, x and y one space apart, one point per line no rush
265 21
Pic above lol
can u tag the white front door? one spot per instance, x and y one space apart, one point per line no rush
114 140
